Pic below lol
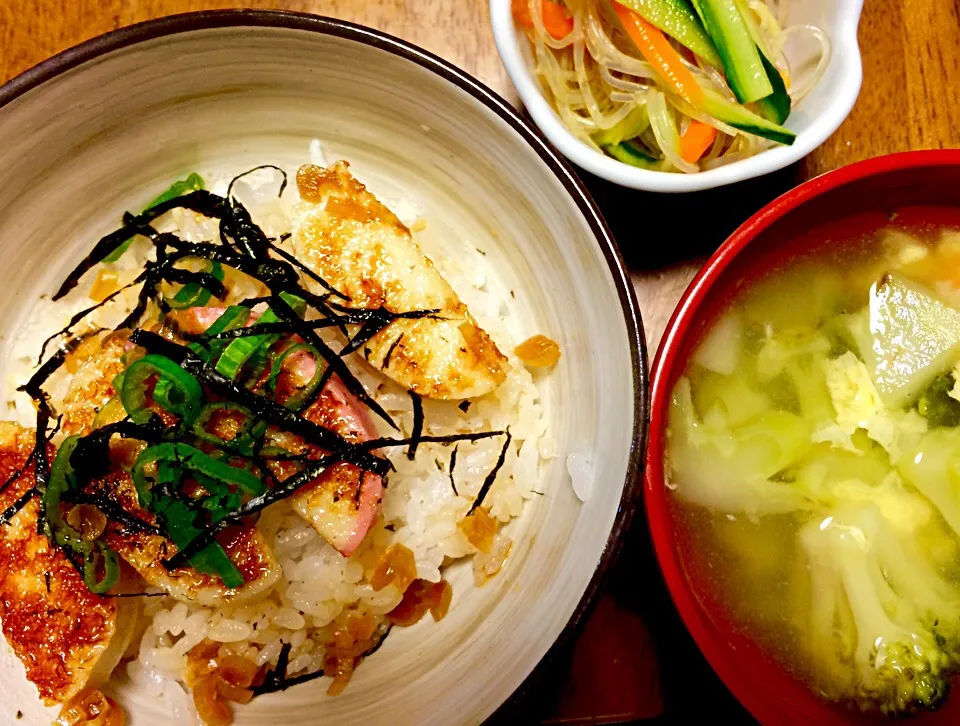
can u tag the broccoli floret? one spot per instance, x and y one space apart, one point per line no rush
880 607
936 405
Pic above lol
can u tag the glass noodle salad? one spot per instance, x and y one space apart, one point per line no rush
670 85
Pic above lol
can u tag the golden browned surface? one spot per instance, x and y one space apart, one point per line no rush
360 247
95 364
55 625
89 388
343 502
146 552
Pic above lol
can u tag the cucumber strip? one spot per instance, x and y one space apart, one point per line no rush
631 154
677 19
743 119
752 27
776 106
741 59
634 124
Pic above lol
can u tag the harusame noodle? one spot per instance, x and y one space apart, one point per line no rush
606 93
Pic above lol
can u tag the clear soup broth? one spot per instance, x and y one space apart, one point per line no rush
813 459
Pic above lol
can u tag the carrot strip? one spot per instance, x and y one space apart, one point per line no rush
556 20
696 140
658 52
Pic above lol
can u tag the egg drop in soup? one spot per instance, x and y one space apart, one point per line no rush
813 464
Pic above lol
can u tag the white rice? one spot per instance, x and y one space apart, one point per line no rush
419 503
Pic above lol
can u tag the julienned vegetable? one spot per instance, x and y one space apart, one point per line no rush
729 75
677 19
815 439
741 59
696 140
554 16
660 54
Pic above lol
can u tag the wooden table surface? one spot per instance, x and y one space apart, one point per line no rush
616 670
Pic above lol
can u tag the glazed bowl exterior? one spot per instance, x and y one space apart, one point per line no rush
99 129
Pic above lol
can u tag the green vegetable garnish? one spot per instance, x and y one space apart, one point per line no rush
91 552
193 294
175 389
192 183
239 351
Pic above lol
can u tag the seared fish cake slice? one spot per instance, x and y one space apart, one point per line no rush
59 630
344 503
90 389
351 240
145 552
92 368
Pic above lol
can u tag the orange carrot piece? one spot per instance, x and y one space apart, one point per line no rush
696 140
658 52
556 20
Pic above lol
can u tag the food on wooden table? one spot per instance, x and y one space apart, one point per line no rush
814 464
256 448
670 85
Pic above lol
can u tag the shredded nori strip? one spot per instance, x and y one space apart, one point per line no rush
306 270
91 458
19 472
453 463
204 279
12 511
464 406
263 408
276 678
491 477
417 424
393 346
376 320
283 490
200 201
84 313
113 511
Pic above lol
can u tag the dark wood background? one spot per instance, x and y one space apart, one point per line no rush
633 660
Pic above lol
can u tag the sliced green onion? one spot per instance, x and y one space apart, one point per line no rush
62 534
193 294
192 183
194 460
176 390
60 475
296 401
240 350
208 411
235 316
111 568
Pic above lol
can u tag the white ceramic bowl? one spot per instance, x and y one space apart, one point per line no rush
99 129
815 118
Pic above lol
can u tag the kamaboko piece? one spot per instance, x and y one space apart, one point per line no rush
358 246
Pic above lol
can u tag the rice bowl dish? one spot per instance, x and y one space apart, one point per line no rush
462 438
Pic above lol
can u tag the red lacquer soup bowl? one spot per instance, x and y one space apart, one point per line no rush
915 187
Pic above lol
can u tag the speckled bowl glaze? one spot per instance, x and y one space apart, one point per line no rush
95 130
